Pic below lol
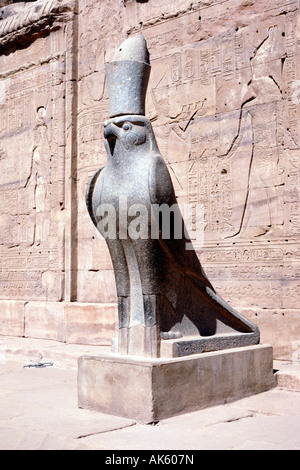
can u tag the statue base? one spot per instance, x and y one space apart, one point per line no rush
148 390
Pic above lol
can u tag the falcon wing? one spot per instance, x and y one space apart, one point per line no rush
206 306
162 192
160 184
89 194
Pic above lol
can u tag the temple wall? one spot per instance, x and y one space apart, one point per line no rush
224 101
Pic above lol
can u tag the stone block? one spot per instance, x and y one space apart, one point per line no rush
288 375
151 390
279 328
90 323
70 322
45 320
12 318
194 345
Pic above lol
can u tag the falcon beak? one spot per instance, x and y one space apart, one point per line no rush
107 130
111 135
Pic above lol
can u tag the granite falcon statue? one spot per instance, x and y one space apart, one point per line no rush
162 289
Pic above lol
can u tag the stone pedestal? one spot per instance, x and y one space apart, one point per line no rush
149 390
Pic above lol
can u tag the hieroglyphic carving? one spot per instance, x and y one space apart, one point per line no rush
241 272
242 158
32 186
224 102
292 144
88 126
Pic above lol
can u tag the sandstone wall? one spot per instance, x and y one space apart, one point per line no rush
224 100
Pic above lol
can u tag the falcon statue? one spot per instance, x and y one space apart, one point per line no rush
162 289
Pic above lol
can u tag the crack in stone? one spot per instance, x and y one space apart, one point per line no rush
252 414
83 436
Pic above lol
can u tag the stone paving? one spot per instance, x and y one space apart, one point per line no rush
39 411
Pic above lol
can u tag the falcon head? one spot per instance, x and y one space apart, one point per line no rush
125 134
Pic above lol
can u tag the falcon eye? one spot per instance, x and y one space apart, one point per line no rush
126 126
